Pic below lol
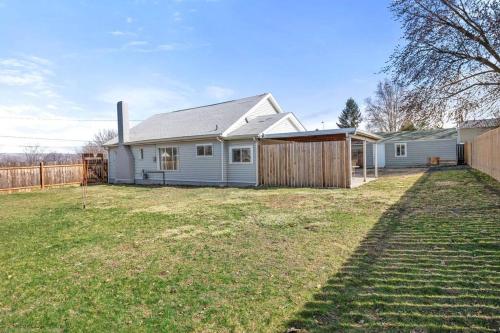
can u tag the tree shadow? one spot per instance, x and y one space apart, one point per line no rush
431 263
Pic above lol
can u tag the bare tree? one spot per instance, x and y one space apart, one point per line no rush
61 158
386 112
451 55
33 154
96 145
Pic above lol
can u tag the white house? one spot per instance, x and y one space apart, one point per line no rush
206 145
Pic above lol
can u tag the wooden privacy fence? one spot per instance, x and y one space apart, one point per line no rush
41 176
483 153
305 164
19 178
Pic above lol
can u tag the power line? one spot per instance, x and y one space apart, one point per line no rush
64 119
37 138
31 146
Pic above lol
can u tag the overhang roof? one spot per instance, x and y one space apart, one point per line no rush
328 132
480 123
425 135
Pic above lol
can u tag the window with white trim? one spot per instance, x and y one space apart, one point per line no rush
400 149
241 155
168 158
204 150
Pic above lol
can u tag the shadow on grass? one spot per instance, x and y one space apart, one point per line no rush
431 263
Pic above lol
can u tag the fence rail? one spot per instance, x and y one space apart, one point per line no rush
483 153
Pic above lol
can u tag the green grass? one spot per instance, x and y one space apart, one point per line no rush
431 264
407 252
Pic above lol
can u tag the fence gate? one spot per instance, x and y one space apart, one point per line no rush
96 168
460 154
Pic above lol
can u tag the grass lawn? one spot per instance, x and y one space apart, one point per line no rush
407 252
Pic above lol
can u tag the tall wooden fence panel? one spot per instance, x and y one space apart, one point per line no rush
304 164
24 178
485 153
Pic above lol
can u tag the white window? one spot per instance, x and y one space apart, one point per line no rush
204 150
168 158
400 149
241 154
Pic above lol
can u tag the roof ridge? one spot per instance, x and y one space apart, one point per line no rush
207 105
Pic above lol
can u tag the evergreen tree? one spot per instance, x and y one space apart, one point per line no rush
350 116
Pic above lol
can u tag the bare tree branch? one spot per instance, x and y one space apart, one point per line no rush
451 55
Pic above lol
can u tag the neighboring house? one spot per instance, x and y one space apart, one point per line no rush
207 145
414 148
469 129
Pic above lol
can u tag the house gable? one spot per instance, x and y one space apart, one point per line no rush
267 105
285 125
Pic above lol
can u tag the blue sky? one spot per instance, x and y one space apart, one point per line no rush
74 59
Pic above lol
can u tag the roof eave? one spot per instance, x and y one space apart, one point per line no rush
179 138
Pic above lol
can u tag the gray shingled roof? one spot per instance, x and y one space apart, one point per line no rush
434 134
480 123
200 121
258 124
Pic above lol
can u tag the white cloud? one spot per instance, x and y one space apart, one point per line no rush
177 16
26 120
32 74
129 19
28 92
218 92
168 47
137 43
123 33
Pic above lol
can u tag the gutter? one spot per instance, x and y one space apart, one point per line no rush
179 138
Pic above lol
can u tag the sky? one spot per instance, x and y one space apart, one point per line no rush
65 64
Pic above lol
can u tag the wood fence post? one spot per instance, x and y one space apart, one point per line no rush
42 185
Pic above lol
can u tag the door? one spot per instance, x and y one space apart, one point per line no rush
381 155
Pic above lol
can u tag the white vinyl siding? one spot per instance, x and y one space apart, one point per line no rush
419 152
283 126
240 173
112 165
263 109
193 169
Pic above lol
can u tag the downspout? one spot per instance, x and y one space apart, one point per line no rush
222 158
108 152
255 139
